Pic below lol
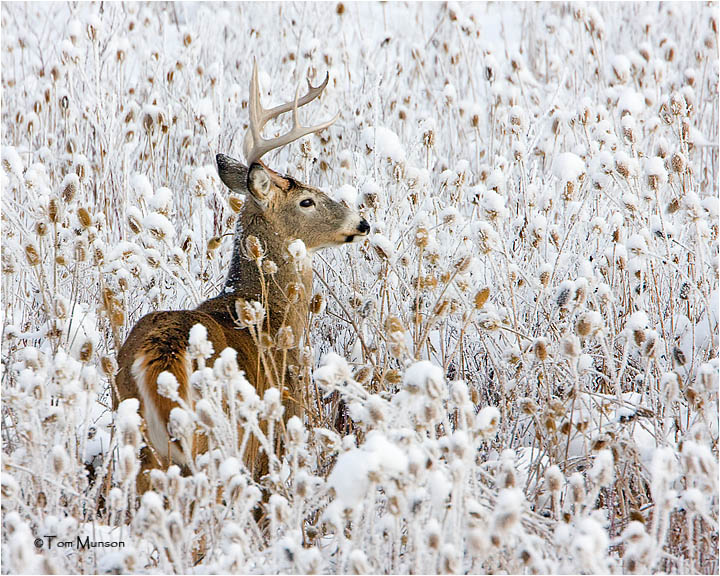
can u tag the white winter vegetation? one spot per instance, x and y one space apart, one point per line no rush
516 373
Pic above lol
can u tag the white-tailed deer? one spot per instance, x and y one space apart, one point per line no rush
278 211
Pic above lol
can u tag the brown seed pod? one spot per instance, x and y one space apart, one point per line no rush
84 217
236 203
481 297
285 338
317 304
32 255
53 210
421 237
254 247
294 290
540 349
678 163
86 351
214 243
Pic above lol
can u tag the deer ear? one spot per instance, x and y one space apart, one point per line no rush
232 173
259 184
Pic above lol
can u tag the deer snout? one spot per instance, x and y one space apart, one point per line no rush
363 227
361 230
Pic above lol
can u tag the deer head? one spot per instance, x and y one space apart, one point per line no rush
291 209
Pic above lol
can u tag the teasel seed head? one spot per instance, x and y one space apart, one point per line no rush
463 265
53 210
554 479
684 291
678 163
442 308
571 346
285 338
249 313
31 254
528 406
481 297
59 459
84 217
679 356
577 488
236 203
638 336
651 344
421 237
80 250
540 349
134 224
294 291
429 138
254 248
317 303
545 278
433 535
269 267
108 365
205 413
86 351
563 296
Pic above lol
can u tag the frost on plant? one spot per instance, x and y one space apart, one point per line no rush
516 373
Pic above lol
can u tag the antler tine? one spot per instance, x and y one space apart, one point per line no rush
312 93
255 146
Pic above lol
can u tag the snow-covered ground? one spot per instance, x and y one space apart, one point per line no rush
517 371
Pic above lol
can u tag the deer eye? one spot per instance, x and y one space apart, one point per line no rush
307 202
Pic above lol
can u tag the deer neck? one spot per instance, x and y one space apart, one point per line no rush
244 280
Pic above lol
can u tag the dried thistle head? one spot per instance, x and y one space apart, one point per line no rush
540 349
236 203
269 267
254 248
481 297
421 237
84 217
285 339
31 255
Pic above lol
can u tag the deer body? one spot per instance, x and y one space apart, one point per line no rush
278 211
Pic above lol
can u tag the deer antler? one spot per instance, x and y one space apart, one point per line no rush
254 145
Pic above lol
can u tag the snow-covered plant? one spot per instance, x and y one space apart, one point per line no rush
517 372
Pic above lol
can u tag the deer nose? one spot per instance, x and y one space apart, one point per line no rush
363 227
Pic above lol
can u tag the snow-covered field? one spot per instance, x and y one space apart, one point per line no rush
517 372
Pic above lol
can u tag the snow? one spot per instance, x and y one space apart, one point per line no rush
384 142
383 244
198 343
487 421
638 321
568 167
347 194
349 477
297 250
631 102
207 118
161 200
621 67
159 225
127 417
425 376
